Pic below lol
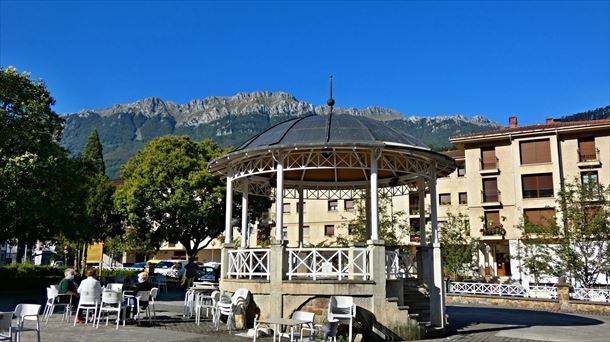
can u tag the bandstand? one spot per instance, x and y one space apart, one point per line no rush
333 156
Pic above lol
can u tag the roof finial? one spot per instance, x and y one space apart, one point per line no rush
331 102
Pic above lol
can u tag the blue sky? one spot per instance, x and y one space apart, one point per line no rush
530 59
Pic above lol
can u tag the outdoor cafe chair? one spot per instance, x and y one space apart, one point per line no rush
230 306
162 282
117 287
6 333
141 306
23 313
304 316
153 297
207 302
112 301
89 301
53 300
342 308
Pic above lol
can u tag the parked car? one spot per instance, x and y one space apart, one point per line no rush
138 267
164 267
209 273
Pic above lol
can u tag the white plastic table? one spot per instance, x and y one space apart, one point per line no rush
278 323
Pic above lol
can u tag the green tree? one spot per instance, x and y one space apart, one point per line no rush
93 152
583 249
458 248
393 226
169 194
577 243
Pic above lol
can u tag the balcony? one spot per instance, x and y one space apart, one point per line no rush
491 197
489 167
588 159
493 230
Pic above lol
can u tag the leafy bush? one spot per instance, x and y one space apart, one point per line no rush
29 271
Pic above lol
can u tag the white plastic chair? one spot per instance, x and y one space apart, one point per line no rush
53 297
230 307
116 287
26 312
208 303
142 298
6 332
89 301
112 301
305 316
153 297
342 308
189 303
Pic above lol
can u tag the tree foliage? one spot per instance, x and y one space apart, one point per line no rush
577 243
393 224
94 154
169 194
458 248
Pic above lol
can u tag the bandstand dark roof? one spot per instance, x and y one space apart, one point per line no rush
332 130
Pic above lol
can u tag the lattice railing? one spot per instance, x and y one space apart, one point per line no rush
248 263
328 263
399 265
591 294
512 290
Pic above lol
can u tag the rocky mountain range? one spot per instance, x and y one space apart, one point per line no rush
230 120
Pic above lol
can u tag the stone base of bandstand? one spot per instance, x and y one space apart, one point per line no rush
279 297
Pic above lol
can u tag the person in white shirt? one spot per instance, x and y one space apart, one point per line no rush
90 284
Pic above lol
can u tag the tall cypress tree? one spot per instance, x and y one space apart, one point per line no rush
93 152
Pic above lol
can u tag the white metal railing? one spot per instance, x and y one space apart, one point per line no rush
248 263
515 290
327 263
398 265
542 291
591 294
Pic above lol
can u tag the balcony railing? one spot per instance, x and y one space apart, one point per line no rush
399 265
414 210
248 263
491 196
488 165
588 157
493 230
328 263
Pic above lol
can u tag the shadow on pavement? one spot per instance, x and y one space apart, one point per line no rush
463 318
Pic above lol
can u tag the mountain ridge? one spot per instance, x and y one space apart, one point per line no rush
230 120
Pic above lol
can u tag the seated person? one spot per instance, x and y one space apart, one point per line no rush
67 285
142 285
90 284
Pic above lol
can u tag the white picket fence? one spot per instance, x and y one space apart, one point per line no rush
249 263
328 263
534 291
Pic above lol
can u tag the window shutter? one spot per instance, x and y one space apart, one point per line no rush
543 151
537 151
530 182
489 157
586 148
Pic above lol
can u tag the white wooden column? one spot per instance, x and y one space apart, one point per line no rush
279 199
421 191
374 200
433 205
229 211
244 214
301 210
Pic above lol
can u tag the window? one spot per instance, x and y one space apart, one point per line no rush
461 171
586 149
444 199
492 219
535 186
349 205
351 228
413 204
539 217
299 207
179 254
333 205
534 152
286 208
488 158
590 181
305 231
490 190
463 198
329 230
285 232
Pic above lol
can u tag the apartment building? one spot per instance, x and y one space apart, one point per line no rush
502 176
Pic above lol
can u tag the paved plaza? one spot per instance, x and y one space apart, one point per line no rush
467 323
